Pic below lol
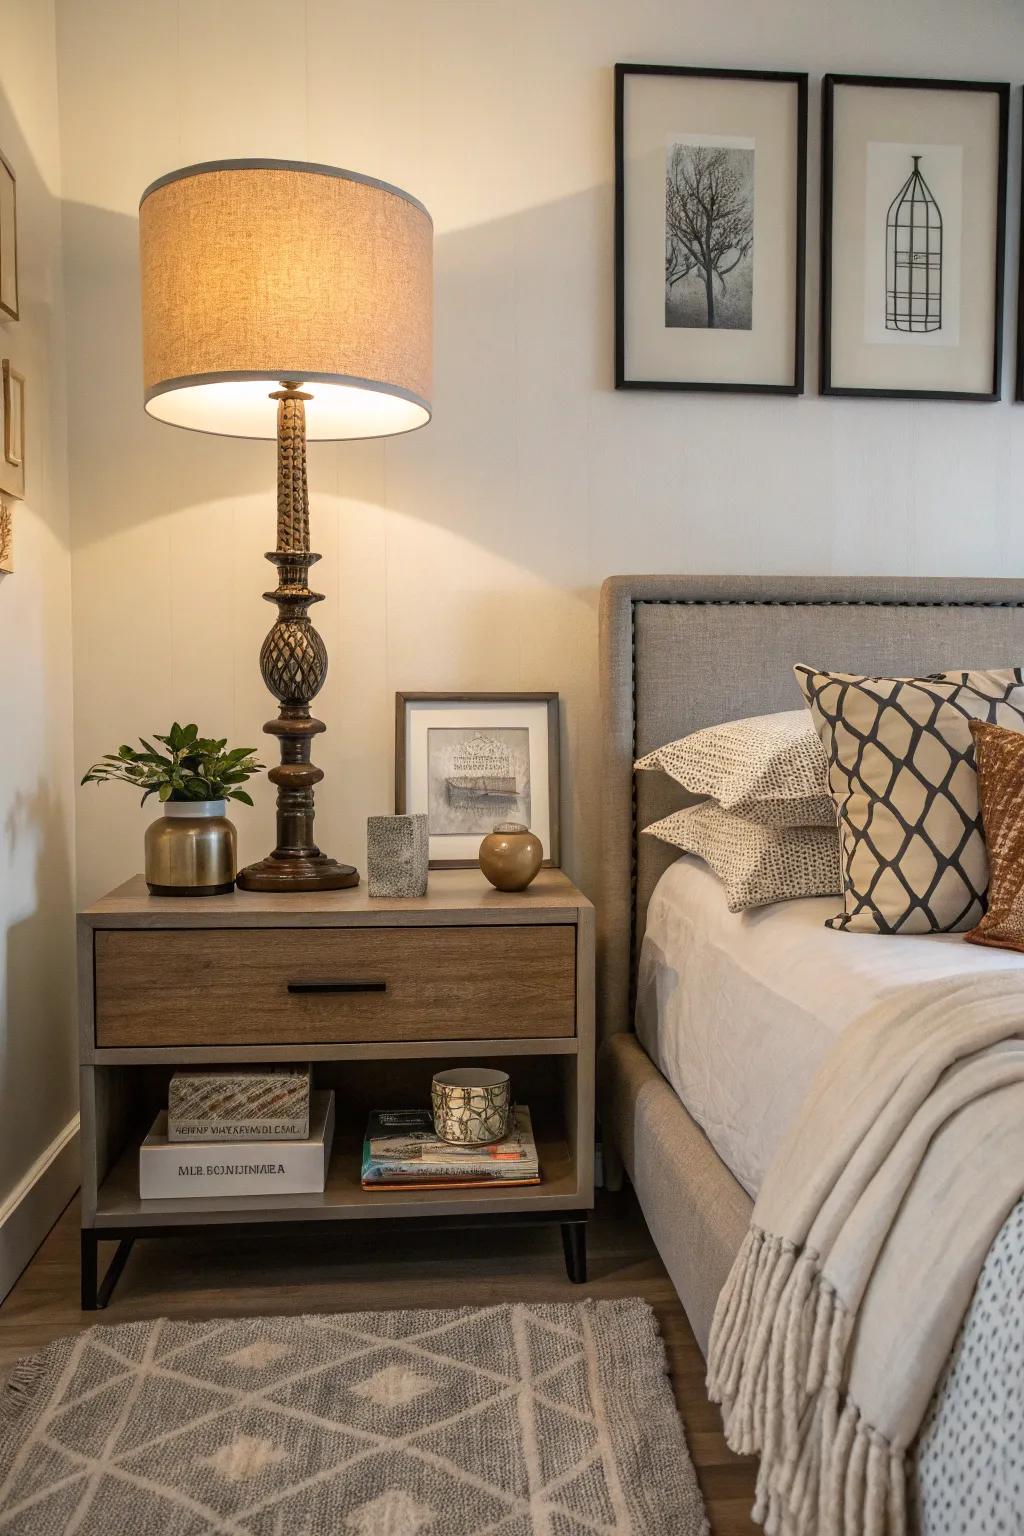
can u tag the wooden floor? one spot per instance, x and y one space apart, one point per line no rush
201 1277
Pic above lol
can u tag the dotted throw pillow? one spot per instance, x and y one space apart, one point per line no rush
770 768
756 864
902 774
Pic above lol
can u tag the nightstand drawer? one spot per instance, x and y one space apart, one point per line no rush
277 986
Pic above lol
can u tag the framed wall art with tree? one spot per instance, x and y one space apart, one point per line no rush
710 209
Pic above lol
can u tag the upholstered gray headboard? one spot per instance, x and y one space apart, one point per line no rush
681 652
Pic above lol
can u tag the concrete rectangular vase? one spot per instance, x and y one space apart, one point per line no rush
397 852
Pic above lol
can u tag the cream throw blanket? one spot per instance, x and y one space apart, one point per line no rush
865 1244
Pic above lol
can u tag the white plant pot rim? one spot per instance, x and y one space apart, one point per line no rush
195 809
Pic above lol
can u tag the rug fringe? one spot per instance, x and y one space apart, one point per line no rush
20 1388
776 1357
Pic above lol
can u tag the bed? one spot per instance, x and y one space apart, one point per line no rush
738 1010
677 654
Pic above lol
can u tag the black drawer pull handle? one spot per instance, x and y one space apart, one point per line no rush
373 984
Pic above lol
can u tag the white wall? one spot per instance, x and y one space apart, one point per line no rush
468 555
37 1046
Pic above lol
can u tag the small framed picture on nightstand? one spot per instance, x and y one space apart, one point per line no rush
473 760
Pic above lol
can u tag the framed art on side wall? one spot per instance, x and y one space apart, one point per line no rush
12 431
472 760
710 208
913 225
8 242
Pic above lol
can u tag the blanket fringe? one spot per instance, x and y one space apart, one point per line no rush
775 1363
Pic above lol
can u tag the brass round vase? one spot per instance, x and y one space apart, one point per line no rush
510 856
191 850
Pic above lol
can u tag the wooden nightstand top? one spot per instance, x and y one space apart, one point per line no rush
453 896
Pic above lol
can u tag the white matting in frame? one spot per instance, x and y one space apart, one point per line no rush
447 741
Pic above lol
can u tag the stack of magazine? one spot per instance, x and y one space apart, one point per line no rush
402 1151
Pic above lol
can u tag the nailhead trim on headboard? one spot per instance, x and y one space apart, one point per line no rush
733 602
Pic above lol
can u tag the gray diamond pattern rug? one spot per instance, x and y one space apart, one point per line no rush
495 1421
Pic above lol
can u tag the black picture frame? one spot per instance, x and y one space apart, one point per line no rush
797 79
898 82
1018 391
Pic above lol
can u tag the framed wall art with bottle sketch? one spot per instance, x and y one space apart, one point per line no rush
913 229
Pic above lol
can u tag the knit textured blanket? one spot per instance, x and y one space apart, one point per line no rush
865 1244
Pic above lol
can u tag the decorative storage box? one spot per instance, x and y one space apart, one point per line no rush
170 1171
265 1104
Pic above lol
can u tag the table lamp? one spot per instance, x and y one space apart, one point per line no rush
276 281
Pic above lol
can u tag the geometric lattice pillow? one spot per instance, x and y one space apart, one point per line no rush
903 777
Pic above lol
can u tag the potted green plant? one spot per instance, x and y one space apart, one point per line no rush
192 849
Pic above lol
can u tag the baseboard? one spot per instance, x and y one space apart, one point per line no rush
35 1203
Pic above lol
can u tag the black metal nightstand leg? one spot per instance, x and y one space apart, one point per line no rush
574 1245
89 1261
96 1293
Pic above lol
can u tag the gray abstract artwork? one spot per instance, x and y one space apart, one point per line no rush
477 776
709 236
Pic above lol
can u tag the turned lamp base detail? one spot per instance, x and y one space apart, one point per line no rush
293 662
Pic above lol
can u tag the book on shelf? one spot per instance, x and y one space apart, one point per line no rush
402 1151
175 1170
240 1104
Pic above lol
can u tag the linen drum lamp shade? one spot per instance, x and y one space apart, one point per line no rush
256 272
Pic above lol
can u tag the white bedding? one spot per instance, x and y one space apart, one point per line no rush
738 1009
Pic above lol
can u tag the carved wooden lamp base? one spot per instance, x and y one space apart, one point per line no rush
282 871
293 662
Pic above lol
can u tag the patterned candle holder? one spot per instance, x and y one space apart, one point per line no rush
471 1105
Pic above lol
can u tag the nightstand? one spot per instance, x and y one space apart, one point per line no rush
378 995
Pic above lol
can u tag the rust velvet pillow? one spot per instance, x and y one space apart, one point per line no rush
1000 759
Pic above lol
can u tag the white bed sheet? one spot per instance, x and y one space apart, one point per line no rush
738 1009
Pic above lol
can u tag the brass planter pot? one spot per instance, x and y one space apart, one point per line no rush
191 850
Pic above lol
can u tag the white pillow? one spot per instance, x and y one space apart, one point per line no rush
771 769
756 864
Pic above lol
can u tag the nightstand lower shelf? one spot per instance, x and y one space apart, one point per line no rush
121 1215
344 1198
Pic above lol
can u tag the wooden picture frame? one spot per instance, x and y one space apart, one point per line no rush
12 432
935 303
523 726
754 122
8 240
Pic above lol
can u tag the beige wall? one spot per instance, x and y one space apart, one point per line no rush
468 555
37 1049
